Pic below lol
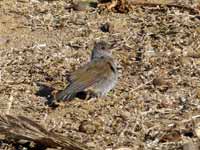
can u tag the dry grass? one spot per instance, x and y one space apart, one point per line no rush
158 52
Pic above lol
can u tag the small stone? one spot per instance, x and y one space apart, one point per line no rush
106 27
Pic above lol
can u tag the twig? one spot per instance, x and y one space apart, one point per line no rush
9 104
141 85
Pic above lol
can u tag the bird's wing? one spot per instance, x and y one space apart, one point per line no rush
91 73
95 68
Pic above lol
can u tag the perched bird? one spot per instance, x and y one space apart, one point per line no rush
99 75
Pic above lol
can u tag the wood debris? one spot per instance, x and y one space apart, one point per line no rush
22 128
124 6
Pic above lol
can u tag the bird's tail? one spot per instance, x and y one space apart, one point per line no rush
23 128
64 95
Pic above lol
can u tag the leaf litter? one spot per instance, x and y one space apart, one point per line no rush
156 102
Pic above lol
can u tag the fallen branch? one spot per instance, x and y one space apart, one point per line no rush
22 128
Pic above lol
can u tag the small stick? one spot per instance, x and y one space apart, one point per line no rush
141 85
9 104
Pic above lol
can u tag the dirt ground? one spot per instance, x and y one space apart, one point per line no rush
156 103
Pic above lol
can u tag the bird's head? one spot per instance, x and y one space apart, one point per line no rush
101 49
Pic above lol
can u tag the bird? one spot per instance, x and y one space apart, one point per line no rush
98 76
